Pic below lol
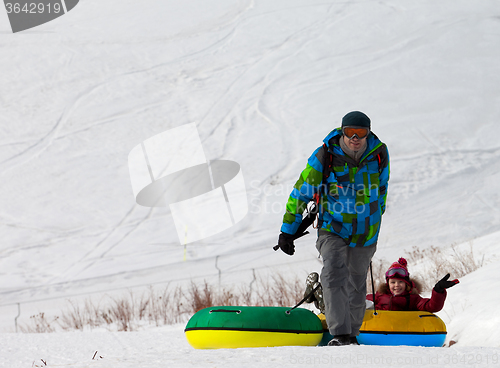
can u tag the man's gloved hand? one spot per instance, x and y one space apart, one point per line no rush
285 242
445 284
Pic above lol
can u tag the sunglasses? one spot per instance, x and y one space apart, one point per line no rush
397 271
351 132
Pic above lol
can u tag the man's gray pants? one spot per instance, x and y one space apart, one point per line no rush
343 279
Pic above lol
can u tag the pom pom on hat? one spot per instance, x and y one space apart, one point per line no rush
402 262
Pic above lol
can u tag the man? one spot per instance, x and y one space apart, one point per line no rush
348 177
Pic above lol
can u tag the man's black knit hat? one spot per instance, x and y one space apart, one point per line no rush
356 118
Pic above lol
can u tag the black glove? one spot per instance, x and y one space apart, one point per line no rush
285 242
445 284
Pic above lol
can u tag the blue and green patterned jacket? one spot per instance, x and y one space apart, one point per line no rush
353 198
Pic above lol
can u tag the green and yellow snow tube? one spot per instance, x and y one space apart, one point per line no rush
250 327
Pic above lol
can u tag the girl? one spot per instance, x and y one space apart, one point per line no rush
399 293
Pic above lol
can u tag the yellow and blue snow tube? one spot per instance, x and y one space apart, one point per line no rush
248 327
413 328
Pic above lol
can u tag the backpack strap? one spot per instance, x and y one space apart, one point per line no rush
327 170
327 166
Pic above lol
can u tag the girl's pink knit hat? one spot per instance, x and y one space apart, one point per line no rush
399 270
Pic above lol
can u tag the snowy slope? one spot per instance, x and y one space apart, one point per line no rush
264 82
167 347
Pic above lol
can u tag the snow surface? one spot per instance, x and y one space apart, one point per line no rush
264 82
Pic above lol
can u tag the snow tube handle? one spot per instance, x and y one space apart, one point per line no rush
225 311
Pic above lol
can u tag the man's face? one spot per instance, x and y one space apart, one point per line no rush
354 143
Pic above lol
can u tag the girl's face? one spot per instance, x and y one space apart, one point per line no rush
397 286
